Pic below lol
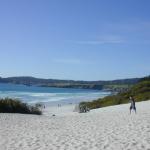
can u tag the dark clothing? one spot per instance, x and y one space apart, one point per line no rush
132 105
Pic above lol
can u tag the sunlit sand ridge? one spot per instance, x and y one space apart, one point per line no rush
108 128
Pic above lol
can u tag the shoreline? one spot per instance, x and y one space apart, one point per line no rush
61 110
32 95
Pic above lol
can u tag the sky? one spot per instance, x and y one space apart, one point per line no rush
75 39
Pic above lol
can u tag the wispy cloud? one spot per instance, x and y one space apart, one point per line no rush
130 26
73 61
118 33
67 61
106 39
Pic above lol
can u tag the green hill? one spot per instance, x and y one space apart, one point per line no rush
140 91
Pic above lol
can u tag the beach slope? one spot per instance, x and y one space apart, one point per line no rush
107 128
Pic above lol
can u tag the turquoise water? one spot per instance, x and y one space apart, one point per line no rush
34 94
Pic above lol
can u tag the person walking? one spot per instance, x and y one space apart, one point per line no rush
132 104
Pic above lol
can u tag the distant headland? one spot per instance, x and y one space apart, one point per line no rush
113 85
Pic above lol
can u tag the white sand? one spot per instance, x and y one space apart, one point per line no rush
111 128
64 110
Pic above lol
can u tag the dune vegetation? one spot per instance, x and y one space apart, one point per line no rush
140 91
9 105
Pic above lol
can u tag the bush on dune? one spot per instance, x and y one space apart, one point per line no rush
140 91
9 105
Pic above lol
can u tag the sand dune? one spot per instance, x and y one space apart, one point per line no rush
111 128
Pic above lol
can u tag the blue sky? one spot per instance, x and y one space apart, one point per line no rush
75 39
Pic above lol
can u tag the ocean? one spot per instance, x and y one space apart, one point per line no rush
49 95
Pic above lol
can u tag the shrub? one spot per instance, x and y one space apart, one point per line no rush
8 105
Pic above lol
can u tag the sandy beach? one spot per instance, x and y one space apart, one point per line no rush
110 128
